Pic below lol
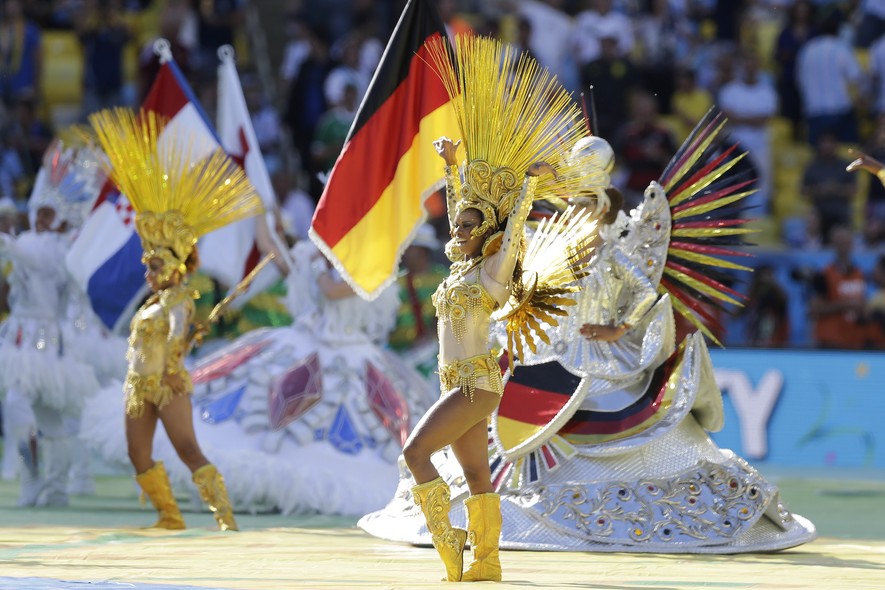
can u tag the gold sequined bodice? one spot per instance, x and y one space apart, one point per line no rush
463 307
147 338
158 342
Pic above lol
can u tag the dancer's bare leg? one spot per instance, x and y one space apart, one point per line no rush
449 419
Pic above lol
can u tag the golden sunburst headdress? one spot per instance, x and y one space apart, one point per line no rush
511 114
177 193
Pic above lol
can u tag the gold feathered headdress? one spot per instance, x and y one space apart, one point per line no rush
178 194
511 114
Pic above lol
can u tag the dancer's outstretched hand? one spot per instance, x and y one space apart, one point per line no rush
602 332
541 168
447 149
864 161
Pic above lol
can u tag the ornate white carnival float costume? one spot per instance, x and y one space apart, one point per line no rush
44 380
305 418
601 446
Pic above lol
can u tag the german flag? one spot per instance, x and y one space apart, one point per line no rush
373 201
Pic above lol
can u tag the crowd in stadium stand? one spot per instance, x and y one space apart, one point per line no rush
802 81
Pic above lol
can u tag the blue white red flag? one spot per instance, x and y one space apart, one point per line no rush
105 258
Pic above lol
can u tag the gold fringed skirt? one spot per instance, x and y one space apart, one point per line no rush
475 372
139 390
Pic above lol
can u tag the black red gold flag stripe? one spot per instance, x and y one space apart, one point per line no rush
373 200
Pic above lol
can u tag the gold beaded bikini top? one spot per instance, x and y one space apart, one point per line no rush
462 294
151 326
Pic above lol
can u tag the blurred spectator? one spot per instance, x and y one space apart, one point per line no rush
720 69
876 305
791 39
11 168
768 323
877 76
306 102
346 73
644 147
265 118
551 29
54 14
367 11
206 89
661 34
838 305
613 78
296 206
601 21
11 218
490 26
827 72
217 24
297 47
332 130
8 216
28 135
21 58
829 186
455 25
416 320
726 15
803 232
103 34
749 101
524 37
872 22
174 13
690 102
370 48
334 19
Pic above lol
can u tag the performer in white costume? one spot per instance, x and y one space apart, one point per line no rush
44 383
90 342
599 443
87 339
306 418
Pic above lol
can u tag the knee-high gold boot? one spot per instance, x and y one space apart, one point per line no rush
484 529
212 490
434 499
155 484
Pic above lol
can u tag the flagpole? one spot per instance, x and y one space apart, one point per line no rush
240 288
163 50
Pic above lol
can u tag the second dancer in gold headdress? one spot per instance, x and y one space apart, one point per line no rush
179 194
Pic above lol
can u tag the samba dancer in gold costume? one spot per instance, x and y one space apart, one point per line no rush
515 121
178 195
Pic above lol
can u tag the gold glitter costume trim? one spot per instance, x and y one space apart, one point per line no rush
475 372
456 299
141 389
151 332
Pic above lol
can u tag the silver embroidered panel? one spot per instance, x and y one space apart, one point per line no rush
711 503
682 493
